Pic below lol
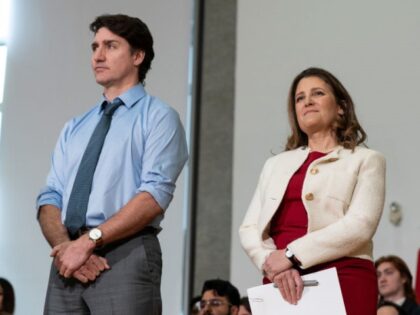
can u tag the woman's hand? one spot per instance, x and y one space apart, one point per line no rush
276 263
290 285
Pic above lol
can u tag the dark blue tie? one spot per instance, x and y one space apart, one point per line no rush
79 197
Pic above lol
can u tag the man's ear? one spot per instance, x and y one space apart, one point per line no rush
138 56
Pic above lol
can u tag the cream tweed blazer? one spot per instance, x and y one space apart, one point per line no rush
343 194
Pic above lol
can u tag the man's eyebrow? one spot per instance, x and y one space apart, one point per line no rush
110 41
106 42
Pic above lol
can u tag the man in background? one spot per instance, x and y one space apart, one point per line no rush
219 297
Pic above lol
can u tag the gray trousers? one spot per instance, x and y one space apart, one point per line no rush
131 286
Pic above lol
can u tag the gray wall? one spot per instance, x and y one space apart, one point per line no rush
373 48
48 81
215 144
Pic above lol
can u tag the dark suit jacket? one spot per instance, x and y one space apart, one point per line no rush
411 307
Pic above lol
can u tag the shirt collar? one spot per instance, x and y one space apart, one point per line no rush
129 97
400 301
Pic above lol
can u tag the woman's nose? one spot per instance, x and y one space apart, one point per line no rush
308 101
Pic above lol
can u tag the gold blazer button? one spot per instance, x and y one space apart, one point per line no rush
309 196
314 171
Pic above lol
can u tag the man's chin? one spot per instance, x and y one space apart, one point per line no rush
101 80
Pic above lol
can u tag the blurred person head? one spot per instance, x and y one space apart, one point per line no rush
244 307
318 100
394 279
389 308
219 297
195 305
7 297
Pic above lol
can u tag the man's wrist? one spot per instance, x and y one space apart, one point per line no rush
95 235
86 242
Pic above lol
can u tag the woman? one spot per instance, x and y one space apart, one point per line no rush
7 297
317 205
395 284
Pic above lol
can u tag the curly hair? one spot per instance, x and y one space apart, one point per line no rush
349 133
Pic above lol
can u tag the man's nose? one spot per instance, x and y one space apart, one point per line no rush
205 310
99 54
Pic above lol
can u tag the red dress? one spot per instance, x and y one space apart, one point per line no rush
357 276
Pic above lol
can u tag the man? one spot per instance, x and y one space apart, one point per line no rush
112 177
395 284
219 297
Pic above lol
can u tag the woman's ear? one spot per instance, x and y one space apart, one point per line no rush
341 107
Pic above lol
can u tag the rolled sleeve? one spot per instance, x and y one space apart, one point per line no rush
49 196
164 156
52 192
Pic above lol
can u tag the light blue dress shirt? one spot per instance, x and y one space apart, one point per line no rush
144 151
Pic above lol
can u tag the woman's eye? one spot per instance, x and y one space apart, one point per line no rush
318 93
298 99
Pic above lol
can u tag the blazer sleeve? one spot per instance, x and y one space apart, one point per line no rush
354 231
249 233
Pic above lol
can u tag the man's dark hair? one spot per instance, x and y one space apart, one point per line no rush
134 31
8 296
245 303
223 288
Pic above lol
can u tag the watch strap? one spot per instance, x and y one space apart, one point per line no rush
295 262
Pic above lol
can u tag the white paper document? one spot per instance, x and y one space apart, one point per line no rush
325 298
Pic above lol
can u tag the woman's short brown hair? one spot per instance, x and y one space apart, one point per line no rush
347 129
404 271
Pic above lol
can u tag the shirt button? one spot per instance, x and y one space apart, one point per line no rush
309 196
314 171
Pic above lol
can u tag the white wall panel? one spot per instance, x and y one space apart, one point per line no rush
49 81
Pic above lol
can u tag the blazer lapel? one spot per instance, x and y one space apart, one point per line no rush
278 181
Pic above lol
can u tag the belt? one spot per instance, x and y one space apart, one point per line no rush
85 229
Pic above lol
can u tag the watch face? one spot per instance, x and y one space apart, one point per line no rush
95 234
289 254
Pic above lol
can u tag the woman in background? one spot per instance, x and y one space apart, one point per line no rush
317 205
395 284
